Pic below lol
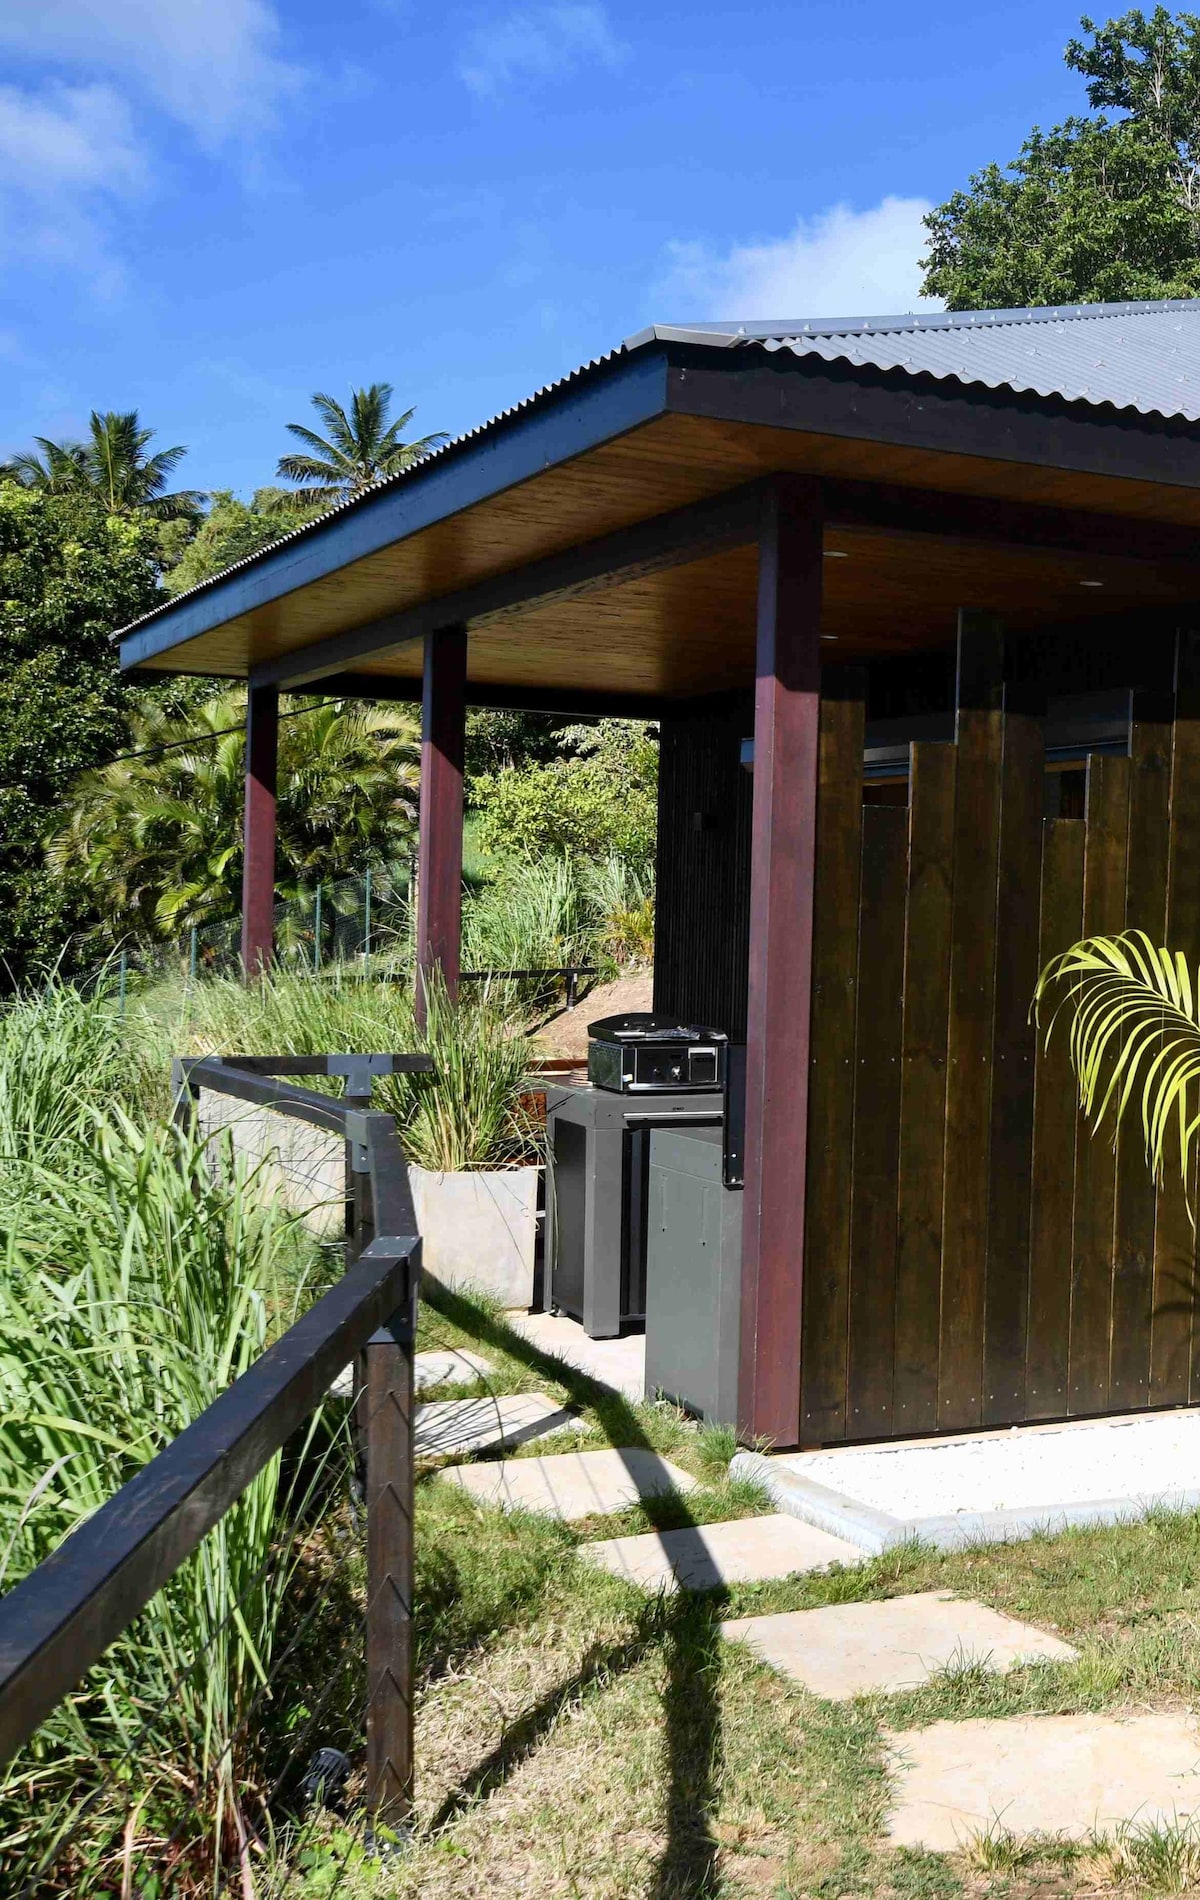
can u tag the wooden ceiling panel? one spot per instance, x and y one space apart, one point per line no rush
663 465
690 630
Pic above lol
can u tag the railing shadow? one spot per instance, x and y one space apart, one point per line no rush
685 1624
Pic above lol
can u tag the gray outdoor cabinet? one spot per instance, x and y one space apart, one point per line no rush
693 1275
598 1153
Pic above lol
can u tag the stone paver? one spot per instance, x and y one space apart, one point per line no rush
485 1424
452 1364
749 1550
573 1484
1042 1774
619 1364
851 1649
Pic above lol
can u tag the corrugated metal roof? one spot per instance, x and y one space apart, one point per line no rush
1139 356
1142 356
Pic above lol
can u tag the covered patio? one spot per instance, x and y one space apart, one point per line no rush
915 601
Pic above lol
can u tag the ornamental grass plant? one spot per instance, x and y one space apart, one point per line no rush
137 1282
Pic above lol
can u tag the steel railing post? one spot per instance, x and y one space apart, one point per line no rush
389 1488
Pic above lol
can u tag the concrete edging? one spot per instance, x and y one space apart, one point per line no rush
874 1531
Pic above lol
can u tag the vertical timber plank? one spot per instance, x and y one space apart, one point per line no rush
1145 909
1172 1324
787 699
923 1085
877 1122
1010 1161
969 1043
1104 871
831 1085
1055 1114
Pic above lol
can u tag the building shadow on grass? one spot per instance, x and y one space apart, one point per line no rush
684 1626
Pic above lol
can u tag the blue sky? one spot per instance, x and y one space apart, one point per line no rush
210 208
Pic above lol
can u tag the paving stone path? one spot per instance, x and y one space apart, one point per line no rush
849 1649
450 1427
573 1484
952 1781
748 1550
1041 1774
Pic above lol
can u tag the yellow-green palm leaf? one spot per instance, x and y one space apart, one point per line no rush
1134 1014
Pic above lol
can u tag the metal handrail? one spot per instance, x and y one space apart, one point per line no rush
58 1621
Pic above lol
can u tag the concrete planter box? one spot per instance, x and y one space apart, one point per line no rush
478 1230
304 1166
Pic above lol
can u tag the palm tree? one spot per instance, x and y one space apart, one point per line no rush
361 447
1134 1039
157 838
112 466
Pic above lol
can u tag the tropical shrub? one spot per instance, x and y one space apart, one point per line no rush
155 837
599 799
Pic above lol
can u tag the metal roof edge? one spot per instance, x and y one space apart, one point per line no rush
779 330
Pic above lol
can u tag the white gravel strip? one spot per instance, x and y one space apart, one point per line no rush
1140 1458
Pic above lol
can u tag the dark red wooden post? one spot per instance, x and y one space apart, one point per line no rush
783 846
439 872
258 864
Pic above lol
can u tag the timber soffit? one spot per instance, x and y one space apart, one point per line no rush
1139 357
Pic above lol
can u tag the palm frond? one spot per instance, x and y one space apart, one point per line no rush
1134 1039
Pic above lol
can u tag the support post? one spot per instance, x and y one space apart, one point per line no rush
782 862
389 1402
439 890
258 872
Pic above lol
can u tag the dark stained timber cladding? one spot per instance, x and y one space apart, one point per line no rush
923 1086
969 1047
1011 1143
1054 1133
831 1072
1173 1320
876 1151
1104 873
1145 909
703 879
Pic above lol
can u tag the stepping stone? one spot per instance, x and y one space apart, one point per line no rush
453 1363
486 1423
574 1483
749 1550
854 1649
1042 1774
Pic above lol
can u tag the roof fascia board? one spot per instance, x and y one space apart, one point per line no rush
615 400
925 412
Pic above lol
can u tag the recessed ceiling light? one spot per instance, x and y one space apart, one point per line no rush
829 636
836 554
1091 583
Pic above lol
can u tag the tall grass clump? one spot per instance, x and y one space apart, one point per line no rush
469 1112
137 1282
289 1010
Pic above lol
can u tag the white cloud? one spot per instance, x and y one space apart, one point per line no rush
215 67
88 84
538 43
81 136
840 263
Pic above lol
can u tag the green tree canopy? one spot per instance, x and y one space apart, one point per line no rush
1094 210
69 573
233 529
599 798
361 446
112 467
156 839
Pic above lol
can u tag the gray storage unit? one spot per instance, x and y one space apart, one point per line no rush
693 1274
596 1187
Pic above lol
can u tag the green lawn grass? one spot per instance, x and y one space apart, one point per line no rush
577 1737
